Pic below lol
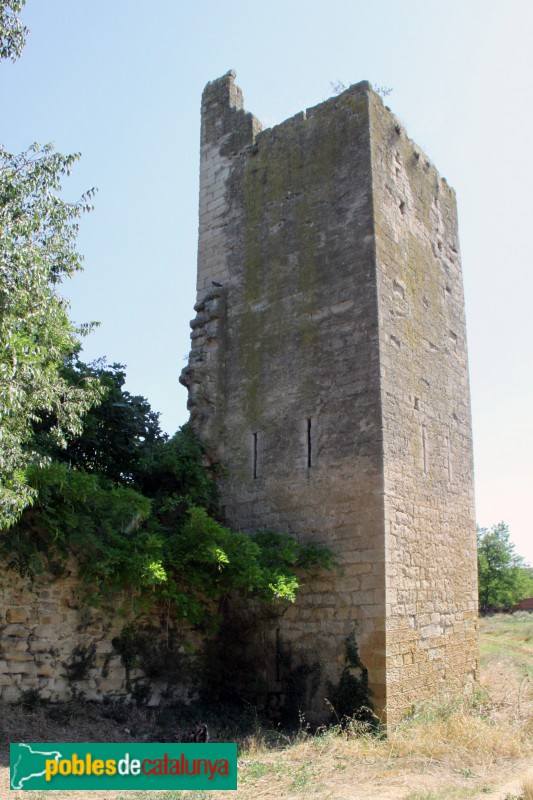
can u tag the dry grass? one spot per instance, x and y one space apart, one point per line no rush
467 746
461 737
527 789
445 751
452 742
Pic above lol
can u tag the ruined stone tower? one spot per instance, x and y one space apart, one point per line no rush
328 375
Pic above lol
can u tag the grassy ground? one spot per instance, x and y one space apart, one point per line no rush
448 751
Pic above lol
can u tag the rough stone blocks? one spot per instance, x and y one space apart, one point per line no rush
328 375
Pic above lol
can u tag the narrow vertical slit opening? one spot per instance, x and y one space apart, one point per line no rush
449 455
425 448
309 454
255 456
278 654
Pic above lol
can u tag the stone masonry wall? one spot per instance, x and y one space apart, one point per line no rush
429 506
328 376
314 382
293 339
48 629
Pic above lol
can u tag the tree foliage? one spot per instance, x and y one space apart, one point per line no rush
12 32
139 512
119 434
37 251
503 577
175 477
135 510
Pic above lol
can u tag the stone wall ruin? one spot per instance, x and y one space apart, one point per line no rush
328 376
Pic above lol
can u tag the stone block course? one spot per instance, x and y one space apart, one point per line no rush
53 624
13 615
328 376
336 242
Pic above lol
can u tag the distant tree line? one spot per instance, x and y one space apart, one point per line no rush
504 578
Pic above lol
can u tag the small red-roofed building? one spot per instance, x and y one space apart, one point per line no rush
524 605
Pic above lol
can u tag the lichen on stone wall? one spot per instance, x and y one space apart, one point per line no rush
342 373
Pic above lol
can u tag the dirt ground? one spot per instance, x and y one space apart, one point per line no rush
358 781
481 751
332 769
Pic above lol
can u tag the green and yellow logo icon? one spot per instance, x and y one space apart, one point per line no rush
63 766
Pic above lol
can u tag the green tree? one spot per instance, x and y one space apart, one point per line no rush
118 435
164 548
12 32
139 511
503 577
175 478
37 251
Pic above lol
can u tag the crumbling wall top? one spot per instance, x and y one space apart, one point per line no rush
223 88
223 114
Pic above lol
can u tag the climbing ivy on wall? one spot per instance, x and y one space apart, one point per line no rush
139 512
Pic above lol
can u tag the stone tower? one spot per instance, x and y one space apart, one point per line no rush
328 375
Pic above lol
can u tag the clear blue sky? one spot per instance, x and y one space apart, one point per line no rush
120 81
